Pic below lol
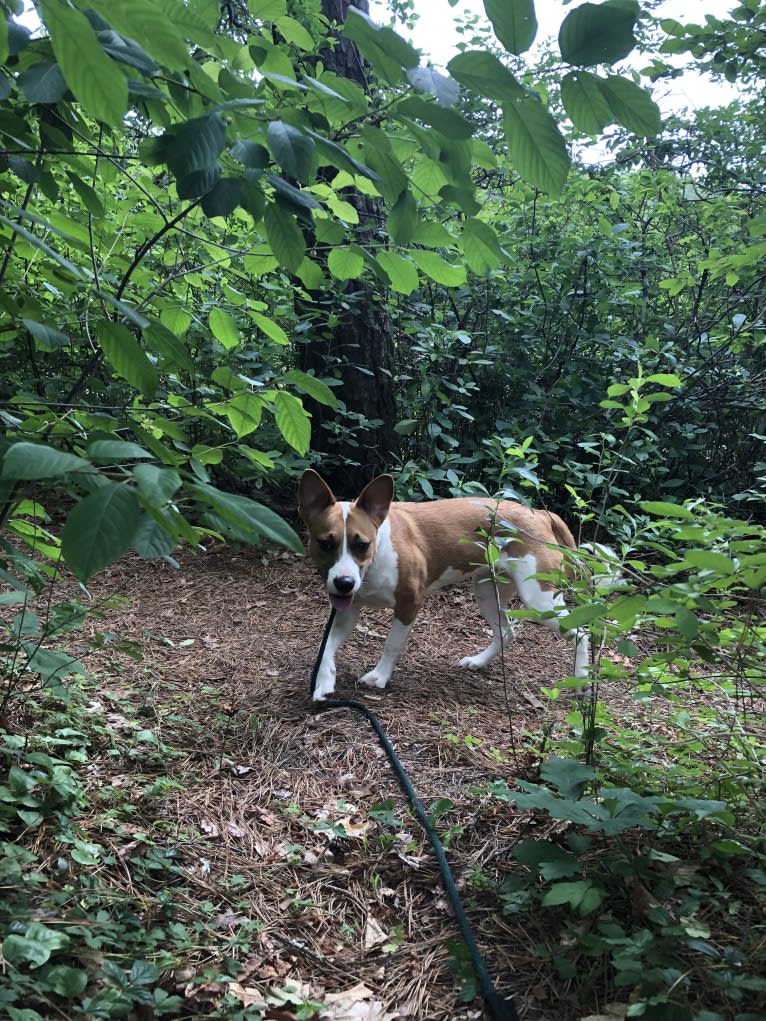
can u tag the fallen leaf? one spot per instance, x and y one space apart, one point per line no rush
374 935
248 997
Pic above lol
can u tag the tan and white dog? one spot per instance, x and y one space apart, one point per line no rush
378 552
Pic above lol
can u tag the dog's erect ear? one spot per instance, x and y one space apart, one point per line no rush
314 495
376 498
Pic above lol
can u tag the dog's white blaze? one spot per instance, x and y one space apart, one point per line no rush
345 566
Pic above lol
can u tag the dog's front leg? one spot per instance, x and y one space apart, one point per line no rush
342 626
392 650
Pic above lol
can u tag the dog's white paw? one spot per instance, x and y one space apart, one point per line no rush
375 679
472 662
325 686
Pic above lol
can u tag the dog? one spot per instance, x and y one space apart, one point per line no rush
375 551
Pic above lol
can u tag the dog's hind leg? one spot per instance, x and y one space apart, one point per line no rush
493 600
534 596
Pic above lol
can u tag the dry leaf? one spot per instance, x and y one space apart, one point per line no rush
355 1004
209 827
248 997
374 935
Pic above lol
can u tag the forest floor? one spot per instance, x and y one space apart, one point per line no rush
272 814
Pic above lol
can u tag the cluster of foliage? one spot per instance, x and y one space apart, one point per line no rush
197 198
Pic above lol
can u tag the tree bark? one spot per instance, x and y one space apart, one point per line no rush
351 336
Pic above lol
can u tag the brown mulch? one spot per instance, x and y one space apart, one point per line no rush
228 644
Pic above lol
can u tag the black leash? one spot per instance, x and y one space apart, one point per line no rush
500 1008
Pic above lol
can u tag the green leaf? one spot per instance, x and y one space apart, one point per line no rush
345 263
403 219
116 451
709 560
285 237
99 529
584 102
580 615
631 106
312 386
127 358
96 81
267 10
598 33
272 330
151 539
156 485
244 411
51 665
400 271
686 622
480 246
43 83
224 328
662 509
249 517
536 146
438 269
513 22
193 146
447 122
35 946
65 981
158 337
292 421
484 73
223 198
665 379
147 24
28 461
387 51
293 150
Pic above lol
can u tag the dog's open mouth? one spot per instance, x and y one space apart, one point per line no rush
340 602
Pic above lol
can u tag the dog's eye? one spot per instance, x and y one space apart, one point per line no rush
326 545
360 548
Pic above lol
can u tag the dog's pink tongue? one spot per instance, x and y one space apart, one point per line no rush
341 602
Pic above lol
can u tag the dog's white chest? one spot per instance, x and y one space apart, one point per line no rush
382 577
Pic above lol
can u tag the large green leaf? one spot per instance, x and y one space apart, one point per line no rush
584 101
293 150
536 146
99 529
292 421
439 269
167 344
484 73
244 412
156 485
151 539
249 517
346 263
400 271
426 79
127 358
272 330
193 146
449 123
42 83
27 461
312 386
514 22
224 328
598 33
116 451
480 246
631 105
96 81
285 236
385 49
145 22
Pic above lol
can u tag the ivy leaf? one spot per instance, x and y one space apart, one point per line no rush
536 146
285 237
514 22
99 529
598 33
96 81
292 149
127 358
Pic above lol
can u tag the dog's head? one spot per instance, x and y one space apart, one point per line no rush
342 535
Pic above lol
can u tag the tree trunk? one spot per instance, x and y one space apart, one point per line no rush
351 337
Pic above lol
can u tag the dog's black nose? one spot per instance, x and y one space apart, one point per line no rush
343 585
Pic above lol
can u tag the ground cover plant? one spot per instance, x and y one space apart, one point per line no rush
240 238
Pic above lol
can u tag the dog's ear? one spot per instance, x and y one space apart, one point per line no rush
376 498
314 495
